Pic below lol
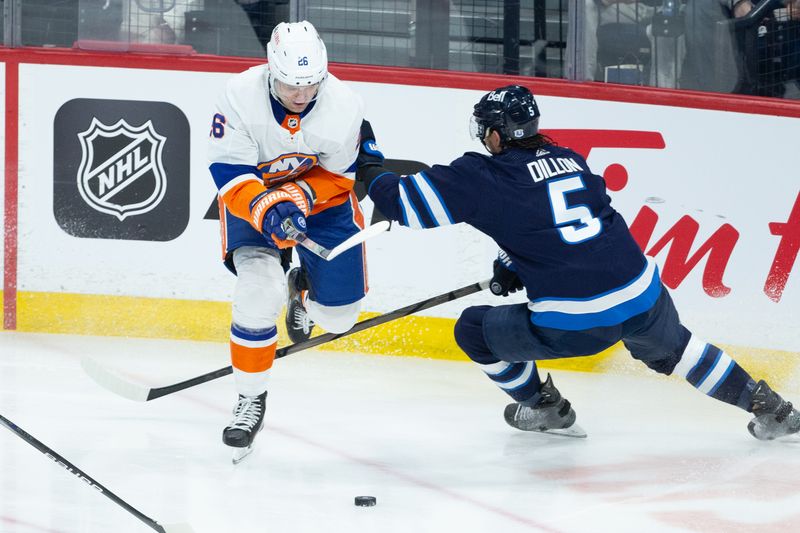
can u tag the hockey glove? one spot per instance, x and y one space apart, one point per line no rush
505 279
368 152
274 219
269 209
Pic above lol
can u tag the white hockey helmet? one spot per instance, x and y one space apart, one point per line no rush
296 55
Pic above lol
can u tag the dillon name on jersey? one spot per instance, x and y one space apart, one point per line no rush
573 252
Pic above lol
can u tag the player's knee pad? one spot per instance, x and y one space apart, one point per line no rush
658 339
333 318
468 333
508 334
260 287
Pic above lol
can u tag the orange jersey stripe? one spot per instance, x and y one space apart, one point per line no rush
327 186
239 197
252 359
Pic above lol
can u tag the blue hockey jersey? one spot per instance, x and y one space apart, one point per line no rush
573 252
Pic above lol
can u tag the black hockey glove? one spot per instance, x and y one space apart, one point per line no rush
368 152
505 279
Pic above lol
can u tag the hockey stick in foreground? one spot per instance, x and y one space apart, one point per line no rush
77 472
140 393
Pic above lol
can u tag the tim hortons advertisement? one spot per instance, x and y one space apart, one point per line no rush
721 218
682 250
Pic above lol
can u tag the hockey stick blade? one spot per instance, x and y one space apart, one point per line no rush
358 238
113 382
141 393
88 480
330 254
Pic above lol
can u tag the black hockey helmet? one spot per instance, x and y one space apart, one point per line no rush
511 111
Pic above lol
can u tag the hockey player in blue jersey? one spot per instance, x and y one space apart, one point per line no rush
588 283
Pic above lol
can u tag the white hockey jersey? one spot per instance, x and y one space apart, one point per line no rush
255 144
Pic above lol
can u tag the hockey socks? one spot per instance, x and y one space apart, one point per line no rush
520 380
252 355
711 371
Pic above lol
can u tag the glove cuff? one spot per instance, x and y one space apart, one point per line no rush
369 173
505 260
288 192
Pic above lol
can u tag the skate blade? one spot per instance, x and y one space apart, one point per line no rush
574 431
240 454
794 438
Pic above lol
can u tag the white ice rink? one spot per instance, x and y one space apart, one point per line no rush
425 437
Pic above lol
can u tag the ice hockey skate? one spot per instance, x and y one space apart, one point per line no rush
552 414
298 325
775 418
248 419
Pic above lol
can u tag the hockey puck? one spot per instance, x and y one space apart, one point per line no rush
366 501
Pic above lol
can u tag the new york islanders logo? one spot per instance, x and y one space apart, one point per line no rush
286 167
121 171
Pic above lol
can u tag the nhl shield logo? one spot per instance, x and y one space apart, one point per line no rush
121 171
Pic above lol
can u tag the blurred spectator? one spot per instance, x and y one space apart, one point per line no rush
158 21
758 58
616 35
712 62
633 41
772 57
262 16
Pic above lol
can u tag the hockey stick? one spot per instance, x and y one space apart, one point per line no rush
122 387
80 474
367 233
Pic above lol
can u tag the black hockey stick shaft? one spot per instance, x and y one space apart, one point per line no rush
328 337
77 472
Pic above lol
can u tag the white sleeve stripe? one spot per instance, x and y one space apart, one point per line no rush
408 208
236 181
432 199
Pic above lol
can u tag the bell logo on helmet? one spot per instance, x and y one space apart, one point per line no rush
510 111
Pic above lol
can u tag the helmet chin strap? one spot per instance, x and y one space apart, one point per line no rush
500 147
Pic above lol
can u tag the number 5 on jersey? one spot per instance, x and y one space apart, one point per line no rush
575 223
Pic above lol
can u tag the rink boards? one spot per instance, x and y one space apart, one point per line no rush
709 185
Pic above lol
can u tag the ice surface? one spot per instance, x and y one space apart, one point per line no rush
426 437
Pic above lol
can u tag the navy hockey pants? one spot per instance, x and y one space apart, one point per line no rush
505 333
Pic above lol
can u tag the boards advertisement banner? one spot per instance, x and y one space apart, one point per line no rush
115 197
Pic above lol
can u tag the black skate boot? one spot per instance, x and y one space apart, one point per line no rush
248 419
298 325
552 413
774 416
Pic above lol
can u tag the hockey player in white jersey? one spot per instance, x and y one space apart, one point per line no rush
283 145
